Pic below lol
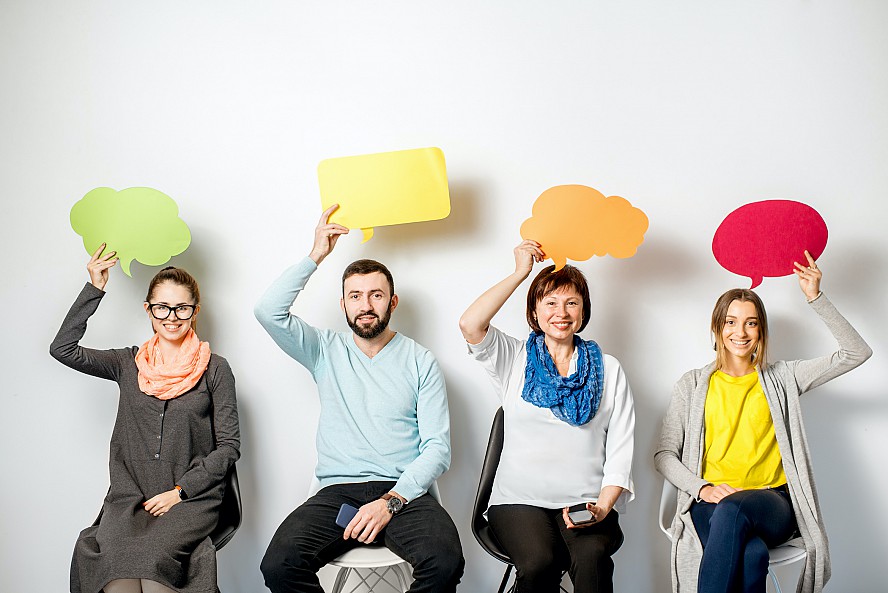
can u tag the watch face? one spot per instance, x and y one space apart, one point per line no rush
394 504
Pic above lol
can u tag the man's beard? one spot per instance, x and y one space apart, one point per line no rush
369 332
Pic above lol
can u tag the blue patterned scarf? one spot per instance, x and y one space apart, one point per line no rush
573 399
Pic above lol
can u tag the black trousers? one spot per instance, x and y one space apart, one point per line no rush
422 533
541 547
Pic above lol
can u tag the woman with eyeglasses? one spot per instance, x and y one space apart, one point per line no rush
175 437
734 444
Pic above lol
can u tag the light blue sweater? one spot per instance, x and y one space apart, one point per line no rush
382 418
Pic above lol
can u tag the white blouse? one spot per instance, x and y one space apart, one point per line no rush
546 462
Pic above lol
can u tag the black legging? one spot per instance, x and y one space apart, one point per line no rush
541 547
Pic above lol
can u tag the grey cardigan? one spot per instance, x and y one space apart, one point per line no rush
679 454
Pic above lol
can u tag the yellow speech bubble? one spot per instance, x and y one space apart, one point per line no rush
385 188
577 222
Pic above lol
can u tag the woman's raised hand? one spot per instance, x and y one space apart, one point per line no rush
99 265
526 254
809 277
476 319
326 235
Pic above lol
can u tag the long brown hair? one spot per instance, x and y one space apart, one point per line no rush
719 318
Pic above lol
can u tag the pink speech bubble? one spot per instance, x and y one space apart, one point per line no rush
765 238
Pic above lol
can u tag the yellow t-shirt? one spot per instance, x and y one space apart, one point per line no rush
741 449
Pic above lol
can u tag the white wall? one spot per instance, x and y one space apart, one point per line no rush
688 109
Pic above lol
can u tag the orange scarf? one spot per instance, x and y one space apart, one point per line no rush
166 380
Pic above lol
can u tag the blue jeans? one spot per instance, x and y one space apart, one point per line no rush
541 547
736 534
422 533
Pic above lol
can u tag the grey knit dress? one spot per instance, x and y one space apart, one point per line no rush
191 440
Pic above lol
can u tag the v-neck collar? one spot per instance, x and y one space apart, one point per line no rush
357 350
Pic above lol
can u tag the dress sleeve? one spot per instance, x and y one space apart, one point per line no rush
294 336
433 421
853 350
213 468
66 346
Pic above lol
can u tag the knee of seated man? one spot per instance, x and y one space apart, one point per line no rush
445 566
278 560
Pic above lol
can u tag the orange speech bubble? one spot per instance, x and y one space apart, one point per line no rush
577 222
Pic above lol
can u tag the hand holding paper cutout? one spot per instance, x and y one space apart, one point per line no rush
99 266
138 223
766 238
326 236
577 222
385 188
809 277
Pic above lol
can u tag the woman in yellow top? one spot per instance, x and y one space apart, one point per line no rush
734 444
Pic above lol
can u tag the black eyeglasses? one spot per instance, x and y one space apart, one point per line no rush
183 312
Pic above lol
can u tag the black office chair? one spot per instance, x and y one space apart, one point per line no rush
480 528
230 513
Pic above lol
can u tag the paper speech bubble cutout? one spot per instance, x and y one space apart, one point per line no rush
765 238
577 222
385 188
139 223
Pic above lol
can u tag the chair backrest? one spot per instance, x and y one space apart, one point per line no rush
668 505
230 511
480 528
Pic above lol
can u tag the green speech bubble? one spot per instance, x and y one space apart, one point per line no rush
139 223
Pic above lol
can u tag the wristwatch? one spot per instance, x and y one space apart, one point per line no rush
392 503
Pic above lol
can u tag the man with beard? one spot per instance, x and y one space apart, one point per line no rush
383 434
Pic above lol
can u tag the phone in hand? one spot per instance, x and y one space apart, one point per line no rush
346 513
580 515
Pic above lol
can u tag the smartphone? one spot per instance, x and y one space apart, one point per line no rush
346 513
579 514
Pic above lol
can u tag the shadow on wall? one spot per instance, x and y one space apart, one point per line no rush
860 275
462 223
627 286
840 442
